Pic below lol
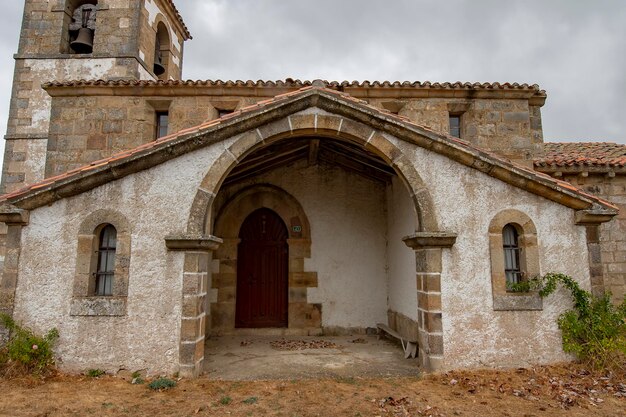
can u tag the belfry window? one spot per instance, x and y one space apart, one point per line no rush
161 52
106 260
510 241
82 28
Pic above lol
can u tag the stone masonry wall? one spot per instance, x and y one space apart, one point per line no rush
613 233
509 127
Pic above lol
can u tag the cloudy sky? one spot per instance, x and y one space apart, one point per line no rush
574 49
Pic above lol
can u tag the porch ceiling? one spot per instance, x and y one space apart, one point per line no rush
343 154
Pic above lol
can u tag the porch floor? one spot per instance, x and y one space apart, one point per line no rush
241 357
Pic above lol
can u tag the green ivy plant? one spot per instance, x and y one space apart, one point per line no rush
595 329
533 284
31 352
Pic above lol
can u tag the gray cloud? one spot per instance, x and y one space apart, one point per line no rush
574 49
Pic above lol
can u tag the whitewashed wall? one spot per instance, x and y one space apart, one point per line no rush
346 212
465 201
156 202
401 222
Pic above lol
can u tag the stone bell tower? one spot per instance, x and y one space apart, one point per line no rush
65 40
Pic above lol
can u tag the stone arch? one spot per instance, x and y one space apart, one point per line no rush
428 242
234 211
324 126
250 198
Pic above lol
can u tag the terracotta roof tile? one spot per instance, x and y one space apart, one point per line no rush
290 83
179 17
582 154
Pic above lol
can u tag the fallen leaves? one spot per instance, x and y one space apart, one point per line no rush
568 387
284 344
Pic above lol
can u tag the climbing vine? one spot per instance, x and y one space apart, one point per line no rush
595 329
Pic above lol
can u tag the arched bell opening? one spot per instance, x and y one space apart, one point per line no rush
80 27
161 52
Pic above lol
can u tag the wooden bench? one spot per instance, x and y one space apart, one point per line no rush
409 346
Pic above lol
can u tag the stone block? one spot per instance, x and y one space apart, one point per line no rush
221 280
428 260
277 128
328 122
244 144
514 117
226 294
297 295
433 322
429 302
303 279
381 146
190 330
435 344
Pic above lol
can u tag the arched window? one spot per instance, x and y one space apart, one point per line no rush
514 254
106 260
510 243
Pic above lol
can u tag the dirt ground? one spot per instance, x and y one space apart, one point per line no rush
565 390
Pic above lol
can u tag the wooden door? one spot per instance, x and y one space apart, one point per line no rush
262 271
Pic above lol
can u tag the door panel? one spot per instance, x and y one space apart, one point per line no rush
262 271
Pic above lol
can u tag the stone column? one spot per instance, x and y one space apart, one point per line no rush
195 277
591 220
15 219
428 247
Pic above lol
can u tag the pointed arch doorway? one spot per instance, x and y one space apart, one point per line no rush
262 271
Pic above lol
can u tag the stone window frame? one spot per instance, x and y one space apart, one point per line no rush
504 300
84 300
457 110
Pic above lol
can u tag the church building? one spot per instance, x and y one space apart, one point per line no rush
142 214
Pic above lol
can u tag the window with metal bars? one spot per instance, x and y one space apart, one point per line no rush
106 260
510 240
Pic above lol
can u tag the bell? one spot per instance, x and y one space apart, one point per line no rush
158 68
83 44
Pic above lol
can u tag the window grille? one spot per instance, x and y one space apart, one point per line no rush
512 267
106 261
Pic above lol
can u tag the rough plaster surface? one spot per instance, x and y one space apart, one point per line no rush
401 222
348 232
465 201
157 202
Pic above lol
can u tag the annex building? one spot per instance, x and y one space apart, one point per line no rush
142 213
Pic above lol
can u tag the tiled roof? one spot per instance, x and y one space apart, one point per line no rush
108 169
582 154
299 84
179 17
